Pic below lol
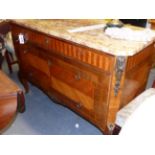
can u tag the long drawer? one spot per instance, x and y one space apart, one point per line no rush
38 39
99 60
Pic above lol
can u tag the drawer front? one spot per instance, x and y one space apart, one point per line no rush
72 83
36 77
34 67
30 36
16 30
73 94
38 39
30 56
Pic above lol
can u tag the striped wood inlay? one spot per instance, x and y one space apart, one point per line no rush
85 55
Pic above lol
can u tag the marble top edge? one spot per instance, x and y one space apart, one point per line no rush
94 38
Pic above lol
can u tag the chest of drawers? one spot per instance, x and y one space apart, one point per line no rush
92 83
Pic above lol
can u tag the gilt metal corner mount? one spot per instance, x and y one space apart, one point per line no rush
119 69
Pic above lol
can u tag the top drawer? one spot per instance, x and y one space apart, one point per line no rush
79 53
30 36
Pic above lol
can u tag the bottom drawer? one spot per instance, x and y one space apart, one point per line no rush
78 107
77 96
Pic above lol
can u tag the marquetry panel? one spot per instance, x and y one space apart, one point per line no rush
73 76
72 93
82 54
73 79
37 38
87 75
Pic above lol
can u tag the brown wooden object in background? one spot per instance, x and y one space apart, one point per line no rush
11 100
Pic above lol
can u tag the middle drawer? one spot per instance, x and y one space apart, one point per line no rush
72 82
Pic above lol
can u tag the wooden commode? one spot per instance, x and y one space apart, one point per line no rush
81 74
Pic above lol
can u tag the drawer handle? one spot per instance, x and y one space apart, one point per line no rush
77 76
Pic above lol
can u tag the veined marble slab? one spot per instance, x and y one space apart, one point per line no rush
94 38
87 28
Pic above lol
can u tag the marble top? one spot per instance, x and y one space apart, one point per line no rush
93 38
